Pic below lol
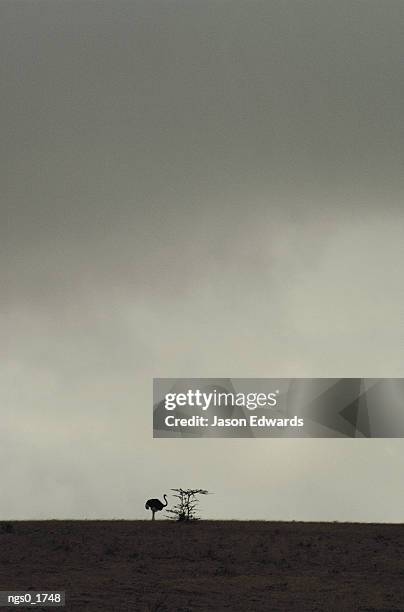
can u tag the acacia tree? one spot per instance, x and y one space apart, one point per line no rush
186 507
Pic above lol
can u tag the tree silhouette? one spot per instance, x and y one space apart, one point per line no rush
186 507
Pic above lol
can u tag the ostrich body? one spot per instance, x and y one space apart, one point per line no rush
155 505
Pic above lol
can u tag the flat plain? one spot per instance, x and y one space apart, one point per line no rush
163 566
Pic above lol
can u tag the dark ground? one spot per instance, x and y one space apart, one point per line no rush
209 565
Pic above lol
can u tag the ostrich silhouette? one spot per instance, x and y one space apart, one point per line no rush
155 505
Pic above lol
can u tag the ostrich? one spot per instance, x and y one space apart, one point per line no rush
156 505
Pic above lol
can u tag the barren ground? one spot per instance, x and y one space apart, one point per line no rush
209 565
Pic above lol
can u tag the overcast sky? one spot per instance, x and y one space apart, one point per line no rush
205 189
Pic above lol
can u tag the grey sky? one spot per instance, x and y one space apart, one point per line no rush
196 189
